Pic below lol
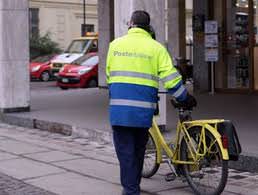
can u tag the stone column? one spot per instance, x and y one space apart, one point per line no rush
176 28
156 9
201 68
14 56
106 34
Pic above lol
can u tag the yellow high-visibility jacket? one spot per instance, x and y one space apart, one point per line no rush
135 64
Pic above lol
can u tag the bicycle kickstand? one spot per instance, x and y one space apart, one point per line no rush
171 176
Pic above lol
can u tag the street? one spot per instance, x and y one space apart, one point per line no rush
34 162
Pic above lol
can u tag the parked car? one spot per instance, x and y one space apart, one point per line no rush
81 73
40 67
78 48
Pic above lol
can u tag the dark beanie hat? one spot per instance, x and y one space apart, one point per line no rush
140 17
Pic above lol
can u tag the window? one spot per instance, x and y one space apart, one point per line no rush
94 46
78 46
87 60
238 58
91 61
89 27
34 21
42 59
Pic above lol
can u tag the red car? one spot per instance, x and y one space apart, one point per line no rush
40 68
82 73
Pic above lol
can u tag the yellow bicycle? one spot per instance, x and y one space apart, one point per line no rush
199 153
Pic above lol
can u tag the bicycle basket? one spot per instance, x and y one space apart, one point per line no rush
227 129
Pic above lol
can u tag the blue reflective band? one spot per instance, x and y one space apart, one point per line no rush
179 91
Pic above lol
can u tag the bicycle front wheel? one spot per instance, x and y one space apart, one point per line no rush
150 165
209 175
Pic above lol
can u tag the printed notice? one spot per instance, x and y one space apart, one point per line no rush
211 41
211 27
211 54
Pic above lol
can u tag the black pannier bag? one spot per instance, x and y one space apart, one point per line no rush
227 129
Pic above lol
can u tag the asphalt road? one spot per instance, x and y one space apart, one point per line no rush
86 108
36 86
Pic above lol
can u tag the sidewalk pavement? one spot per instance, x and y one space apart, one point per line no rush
84 112
34 162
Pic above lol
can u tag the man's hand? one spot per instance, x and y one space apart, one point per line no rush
187 104
190 101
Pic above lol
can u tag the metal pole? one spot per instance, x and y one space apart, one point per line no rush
212 79
83 26
84 12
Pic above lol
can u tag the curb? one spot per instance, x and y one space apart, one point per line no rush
55 127
37 124
247 162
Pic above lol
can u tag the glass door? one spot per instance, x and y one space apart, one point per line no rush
256 45
237 44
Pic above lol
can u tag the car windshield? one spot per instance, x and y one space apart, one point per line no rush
78 46
92 61
41 59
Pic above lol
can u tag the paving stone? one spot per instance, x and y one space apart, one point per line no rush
53 156
93 154
7 156
2 137
17 147
98 167
24 168
81 141
158 183
93 168
74 184
238 177
12 186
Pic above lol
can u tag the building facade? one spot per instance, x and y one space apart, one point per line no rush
237 67
62 18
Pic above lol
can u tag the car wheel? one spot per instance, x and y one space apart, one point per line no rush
45 76
63 88
92 83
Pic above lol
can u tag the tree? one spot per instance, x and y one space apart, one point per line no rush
43 45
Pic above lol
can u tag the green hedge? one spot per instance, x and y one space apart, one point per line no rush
43 45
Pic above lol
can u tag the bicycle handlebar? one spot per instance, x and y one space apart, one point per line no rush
184 112
180 106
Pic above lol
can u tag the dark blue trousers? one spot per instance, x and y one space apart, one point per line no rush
130 144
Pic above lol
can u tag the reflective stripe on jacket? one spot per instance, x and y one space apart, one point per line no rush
135 64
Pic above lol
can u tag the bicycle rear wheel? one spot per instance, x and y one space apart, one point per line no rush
150 165
209 175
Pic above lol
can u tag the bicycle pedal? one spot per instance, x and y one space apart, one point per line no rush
170 177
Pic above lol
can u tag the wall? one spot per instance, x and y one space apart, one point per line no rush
63 18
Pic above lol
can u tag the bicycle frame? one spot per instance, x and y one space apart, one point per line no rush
182 132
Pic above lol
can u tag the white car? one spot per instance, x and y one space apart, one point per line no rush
76 49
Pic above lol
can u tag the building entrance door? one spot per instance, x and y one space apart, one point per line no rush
239 45
256 45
